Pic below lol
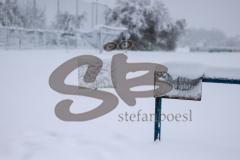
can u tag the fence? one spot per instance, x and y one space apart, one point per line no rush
22 38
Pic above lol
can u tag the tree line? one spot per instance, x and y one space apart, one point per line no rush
148 21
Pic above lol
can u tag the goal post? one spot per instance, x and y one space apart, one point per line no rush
102 34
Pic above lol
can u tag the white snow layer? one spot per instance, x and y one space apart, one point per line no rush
31 131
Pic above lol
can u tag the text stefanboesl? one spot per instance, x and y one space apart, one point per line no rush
150 117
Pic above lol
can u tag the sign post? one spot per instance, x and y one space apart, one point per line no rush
157 124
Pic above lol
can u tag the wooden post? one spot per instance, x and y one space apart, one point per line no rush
157 123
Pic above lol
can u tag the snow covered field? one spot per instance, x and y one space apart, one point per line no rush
31 131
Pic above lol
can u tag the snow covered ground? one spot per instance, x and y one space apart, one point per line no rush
31 131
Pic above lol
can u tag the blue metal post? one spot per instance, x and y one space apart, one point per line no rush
157 124
222 81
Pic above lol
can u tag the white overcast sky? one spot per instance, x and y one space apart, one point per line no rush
220 14
209 14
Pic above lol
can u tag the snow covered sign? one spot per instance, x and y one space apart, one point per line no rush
186 79
186 82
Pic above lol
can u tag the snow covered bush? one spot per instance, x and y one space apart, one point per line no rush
148 22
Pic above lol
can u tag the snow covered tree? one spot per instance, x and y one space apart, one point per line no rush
148 22
69 22
11 14
1 14
34 16
168 37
